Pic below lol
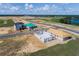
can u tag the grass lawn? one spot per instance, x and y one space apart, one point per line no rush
6 23
69 49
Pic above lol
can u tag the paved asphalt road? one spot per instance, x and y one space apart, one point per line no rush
4 36
66 29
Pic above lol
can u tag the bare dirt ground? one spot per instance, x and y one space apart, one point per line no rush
11 46
5 30
18 45
52 43
33 45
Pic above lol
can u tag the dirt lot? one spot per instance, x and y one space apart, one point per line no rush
18 45
5 30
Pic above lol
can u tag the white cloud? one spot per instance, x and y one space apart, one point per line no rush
28 6
4 6
54 6
43 8
49 8
8 7
14 8
70 9
46 7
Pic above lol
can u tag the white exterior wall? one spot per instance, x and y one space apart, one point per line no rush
45 37
39 38
14 28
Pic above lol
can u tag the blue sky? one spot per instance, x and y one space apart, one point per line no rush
39 8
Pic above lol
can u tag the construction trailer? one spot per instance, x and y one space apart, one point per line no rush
30 26
19 26
44 36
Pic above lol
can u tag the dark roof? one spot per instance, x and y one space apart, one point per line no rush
19 23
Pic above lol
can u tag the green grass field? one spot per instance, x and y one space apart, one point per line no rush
69 49
6 23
